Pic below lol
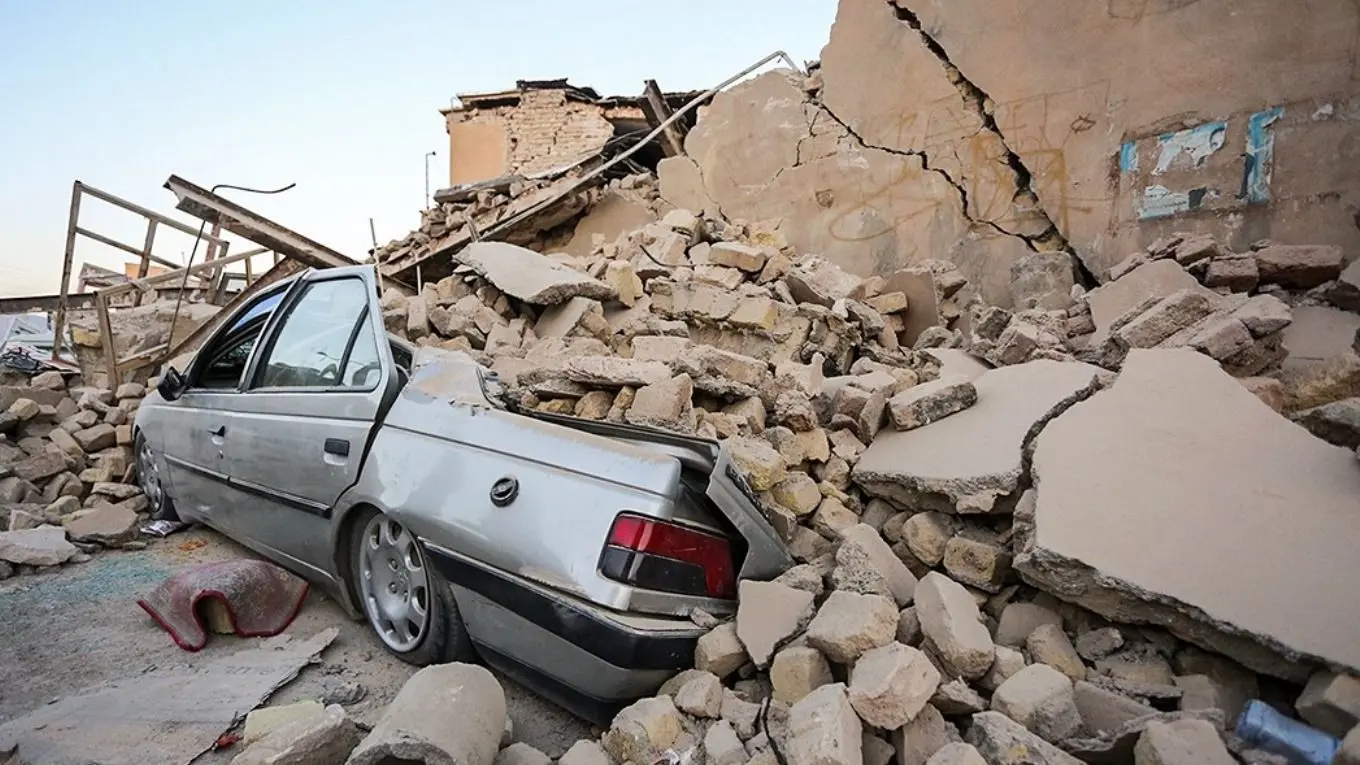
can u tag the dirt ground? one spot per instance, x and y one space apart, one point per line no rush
79 625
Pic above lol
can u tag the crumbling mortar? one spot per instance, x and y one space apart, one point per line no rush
1030 441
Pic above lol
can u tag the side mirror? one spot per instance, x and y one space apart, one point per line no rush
171 384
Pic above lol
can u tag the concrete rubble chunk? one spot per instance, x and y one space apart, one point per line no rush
1003 741
970 461
977 564
643 731
1349 754
1183 742
798 492
816 280
106 524
890 685
927 536
848 624
445 714
1301 266
876 750
612 371
1099 643
529 276
768 613
952 623
1174 425
823 729
520 753
1018 620
585 752
327 736
1172 314
1008 661
720 651
701 696
919 740
957 698
797 671
1337 423
901 583
667 405
722 746
1264 315
1315 383
1103 710
1159 279
1048 644
758 461
928 402
1040 698
1331 702
957 753
42 546
739 256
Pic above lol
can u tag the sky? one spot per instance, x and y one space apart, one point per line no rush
339 97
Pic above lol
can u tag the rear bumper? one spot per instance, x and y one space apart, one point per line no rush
590 660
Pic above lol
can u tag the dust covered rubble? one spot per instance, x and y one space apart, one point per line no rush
66 471
920 621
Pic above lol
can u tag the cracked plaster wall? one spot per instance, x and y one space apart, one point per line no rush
979 131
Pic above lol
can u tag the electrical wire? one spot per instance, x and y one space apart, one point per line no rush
184 283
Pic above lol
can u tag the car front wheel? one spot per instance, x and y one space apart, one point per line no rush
151 481
407 603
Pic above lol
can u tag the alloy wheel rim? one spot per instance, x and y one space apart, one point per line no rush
394 583
149 475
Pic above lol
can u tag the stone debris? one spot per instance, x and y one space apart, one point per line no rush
1021 499
322 736
66 483
445 714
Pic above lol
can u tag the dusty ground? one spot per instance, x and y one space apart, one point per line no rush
78 626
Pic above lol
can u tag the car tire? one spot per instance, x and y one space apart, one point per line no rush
151 481
389 569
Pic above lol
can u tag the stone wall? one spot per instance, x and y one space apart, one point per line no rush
544 130
983 133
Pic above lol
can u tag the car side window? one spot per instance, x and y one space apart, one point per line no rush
363 366
312 346
226 360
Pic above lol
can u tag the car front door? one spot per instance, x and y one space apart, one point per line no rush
192 437
297 435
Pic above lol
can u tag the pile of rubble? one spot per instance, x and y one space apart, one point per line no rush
66 472
952 572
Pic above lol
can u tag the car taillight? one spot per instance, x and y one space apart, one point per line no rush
656 555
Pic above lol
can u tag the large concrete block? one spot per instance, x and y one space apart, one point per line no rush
1115 532
970 461
446 714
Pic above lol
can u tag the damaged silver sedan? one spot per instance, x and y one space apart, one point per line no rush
567 553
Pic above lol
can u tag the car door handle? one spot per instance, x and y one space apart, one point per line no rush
219 431
337 446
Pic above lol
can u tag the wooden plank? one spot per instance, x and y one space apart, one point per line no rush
144 212
59 321
657 112
101 307
44 303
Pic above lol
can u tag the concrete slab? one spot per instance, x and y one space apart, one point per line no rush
1177 498
1159 278
1317 333
524 274
970 462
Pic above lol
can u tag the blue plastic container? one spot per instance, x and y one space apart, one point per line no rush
1266 729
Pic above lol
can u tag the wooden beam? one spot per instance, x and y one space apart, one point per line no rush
44 303
59 321
657 111
101 307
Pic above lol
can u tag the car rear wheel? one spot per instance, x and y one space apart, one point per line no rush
151 481
408 604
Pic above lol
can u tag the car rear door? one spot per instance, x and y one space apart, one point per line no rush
296 438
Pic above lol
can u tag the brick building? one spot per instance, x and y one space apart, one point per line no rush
538 126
